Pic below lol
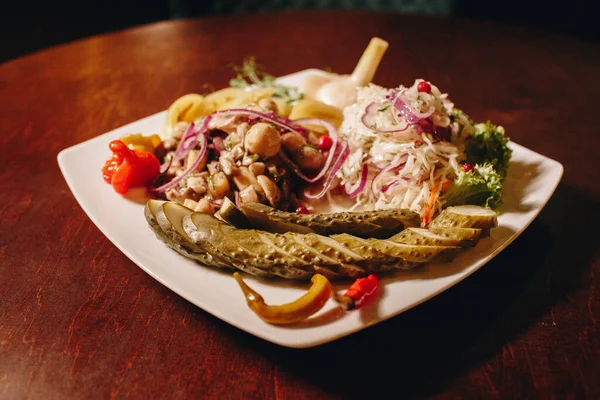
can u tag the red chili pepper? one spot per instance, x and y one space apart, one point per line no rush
360 291
129 168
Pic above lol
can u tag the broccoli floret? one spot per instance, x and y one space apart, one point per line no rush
481 186
487 144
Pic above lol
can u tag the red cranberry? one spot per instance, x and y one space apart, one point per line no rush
325 143
467 167
302 210
424 86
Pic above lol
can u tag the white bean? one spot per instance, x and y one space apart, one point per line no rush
270 188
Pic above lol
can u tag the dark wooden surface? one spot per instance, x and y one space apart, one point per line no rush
79 320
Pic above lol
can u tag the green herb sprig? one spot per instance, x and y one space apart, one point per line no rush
252 74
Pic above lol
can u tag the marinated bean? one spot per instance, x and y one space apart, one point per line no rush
248 195
220 185
204 206
197 184
246 178
191 204
257 168
227 165
271 190
191 158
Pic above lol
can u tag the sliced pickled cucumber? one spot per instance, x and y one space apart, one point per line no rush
232 215
412 253
294 255
424 237
467 235
374 259
170 219
245 249
286 255
467 217
327 246
340 272
363 248
324 251
150 215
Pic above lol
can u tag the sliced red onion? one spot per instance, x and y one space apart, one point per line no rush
165 166
204 140
216 203
236 196
368 120
344 153
218 143
269 117
438 132
392 167
335 139
391 185
411 115
190 139
183 148
361 184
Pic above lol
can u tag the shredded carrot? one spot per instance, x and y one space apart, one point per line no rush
432 196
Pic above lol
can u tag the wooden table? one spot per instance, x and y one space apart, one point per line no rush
79 320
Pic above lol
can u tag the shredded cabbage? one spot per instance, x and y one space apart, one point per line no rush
407 169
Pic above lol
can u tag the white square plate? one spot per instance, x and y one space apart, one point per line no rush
531 181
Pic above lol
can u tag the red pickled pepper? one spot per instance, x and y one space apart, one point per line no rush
128 168
360 291
111 166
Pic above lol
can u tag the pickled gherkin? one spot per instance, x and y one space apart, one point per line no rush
371 224
242 250
470 236
166 220
467 217
170 218
424 237
374 260
150 215
292 255
413 253
231 214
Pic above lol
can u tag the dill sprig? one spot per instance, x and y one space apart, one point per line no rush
252 74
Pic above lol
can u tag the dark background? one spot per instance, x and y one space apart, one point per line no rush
28 26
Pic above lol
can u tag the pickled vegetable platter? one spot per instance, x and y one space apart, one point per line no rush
214 289
248 178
